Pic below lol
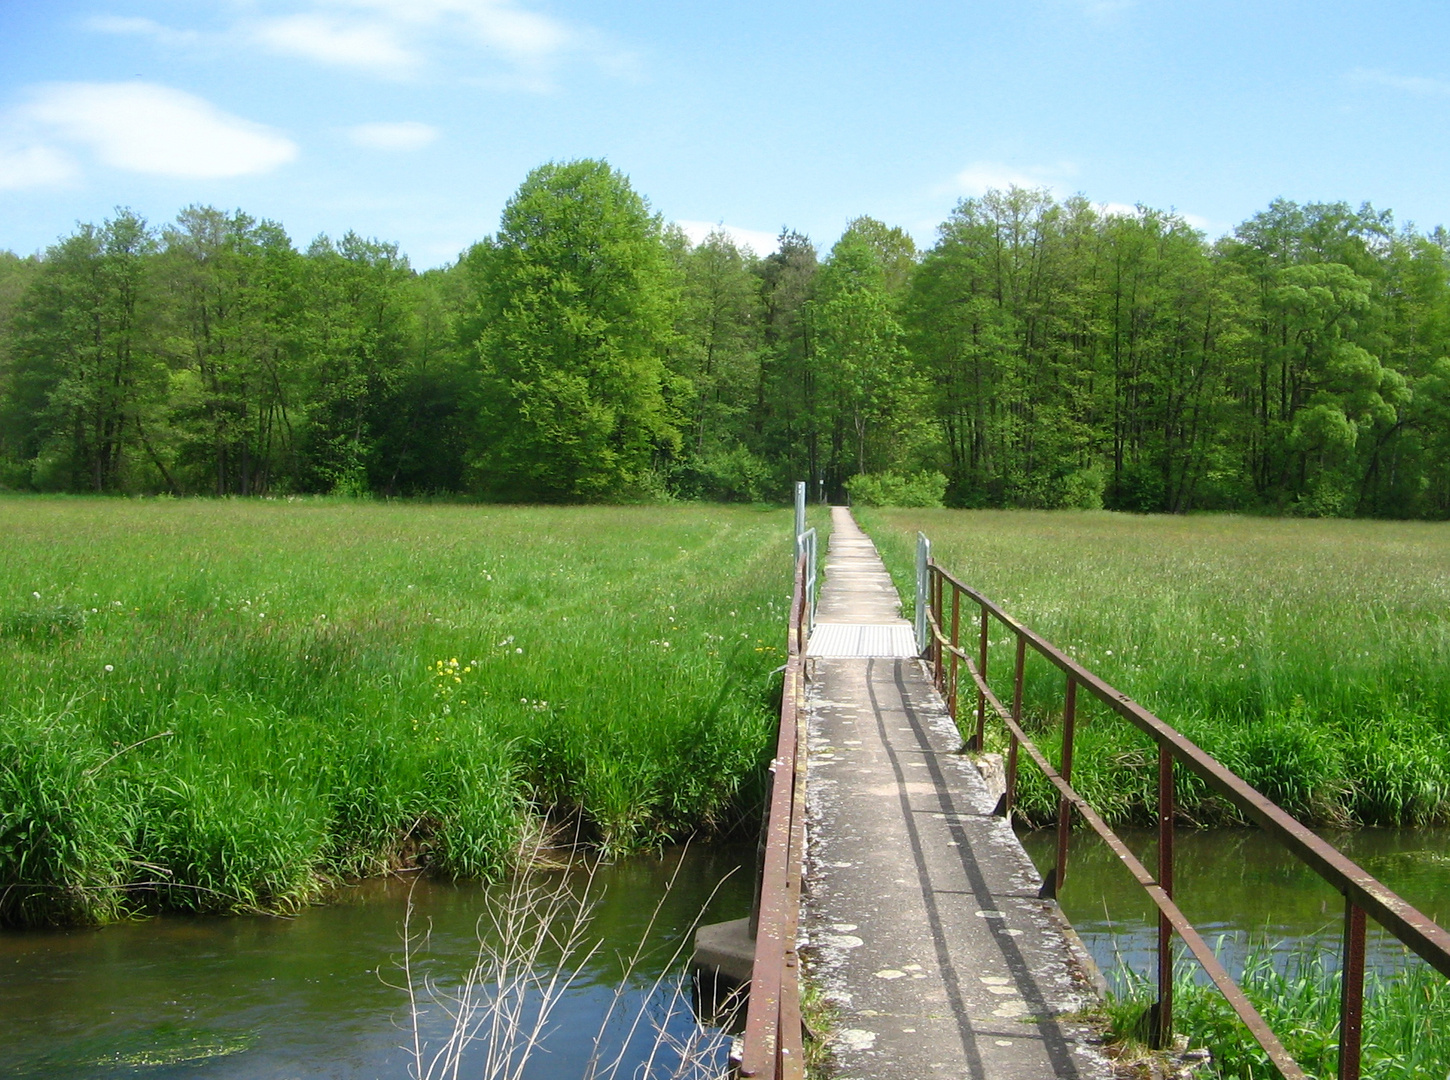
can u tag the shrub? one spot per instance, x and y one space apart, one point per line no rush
918 489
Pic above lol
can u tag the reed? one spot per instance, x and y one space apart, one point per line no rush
1406 1033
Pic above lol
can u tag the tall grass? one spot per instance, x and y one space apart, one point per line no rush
1311 657
1406 1033
222 705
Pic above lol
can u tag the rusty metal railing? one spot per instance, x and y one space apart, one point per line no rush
773 1045
1363 895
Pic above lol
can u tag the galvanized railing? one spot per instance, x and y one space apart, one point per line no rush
1363 895
773 1044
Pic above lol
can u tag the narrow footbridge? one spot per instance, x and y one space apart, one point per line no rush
889 869
922 920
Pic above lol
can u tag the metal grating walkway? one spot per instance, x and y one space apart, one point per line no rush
844 640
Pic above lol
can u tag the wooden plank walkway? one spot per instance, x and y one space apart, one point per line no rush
921 919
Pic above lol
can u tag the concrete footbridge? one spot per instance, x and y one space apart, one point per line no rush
921 919
887 876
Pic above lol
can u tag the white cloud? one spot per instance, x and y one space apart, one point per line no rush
139 27
982 176
338 41
33 166
1411 84
405 135
758 241
146 128
395 38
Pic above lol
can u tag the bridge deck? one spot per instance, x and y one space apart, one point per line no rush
921 917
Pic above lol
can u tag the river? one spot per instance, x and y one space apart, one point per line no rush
310 996
1239 888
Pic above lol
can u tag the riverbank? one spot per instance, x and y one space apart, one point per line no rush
230 705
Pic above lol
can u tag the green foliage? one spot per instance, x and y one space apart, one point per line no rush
1406 1033
922 489
1042 354
1308 656
65 825
268 695
578 299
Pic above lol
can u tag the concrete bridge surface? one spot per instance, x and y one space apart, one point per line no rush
921 918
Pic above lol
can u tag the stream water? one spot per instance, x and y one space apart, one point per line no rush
309 996
1240 889
266 998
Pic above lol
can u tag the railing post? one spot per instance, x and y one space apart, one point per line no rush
923 561
1162 1018
1351 992
1064 808
979 743
938 609
800 514
1010 794
956 623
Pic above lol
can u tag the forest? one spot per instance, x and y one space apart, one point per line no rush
1043 353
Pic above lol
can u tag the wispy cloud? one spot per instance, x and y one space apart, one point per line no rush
401 38
982 176
139 127
402 136
1420 85
29 166
131 26
757 240
343 42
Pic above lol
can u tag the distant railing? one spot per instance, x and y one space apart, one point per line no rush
773 1044
1363 894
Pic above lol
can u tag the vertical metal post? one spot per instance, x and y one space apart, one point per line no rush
938 609
1351 992
956 624
979 743
800 514
1064 808
923 560
1010 795
1162 1018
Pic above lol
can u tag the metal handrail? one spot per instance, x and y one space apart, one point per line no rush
805 546
773 1042
1362 892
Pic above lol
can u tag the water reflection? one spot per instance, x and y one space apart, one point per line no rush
282 998
1240 887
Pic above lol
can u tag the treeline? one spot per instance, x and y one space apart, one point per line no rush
1043 353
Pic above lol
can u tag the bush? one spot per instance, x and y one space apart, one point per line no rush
898 489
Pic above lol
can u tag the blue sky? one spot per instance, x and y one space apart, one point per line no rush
414 120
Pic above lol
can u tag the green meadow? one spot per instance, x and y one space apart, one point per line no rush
1310 656
227 705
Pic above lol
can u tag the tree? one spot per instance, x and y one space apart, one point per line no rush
718 353
85 376
579 295
230 284
860 356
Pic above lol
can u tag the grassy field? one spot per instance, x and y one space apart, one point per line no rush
220 705
1312 657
